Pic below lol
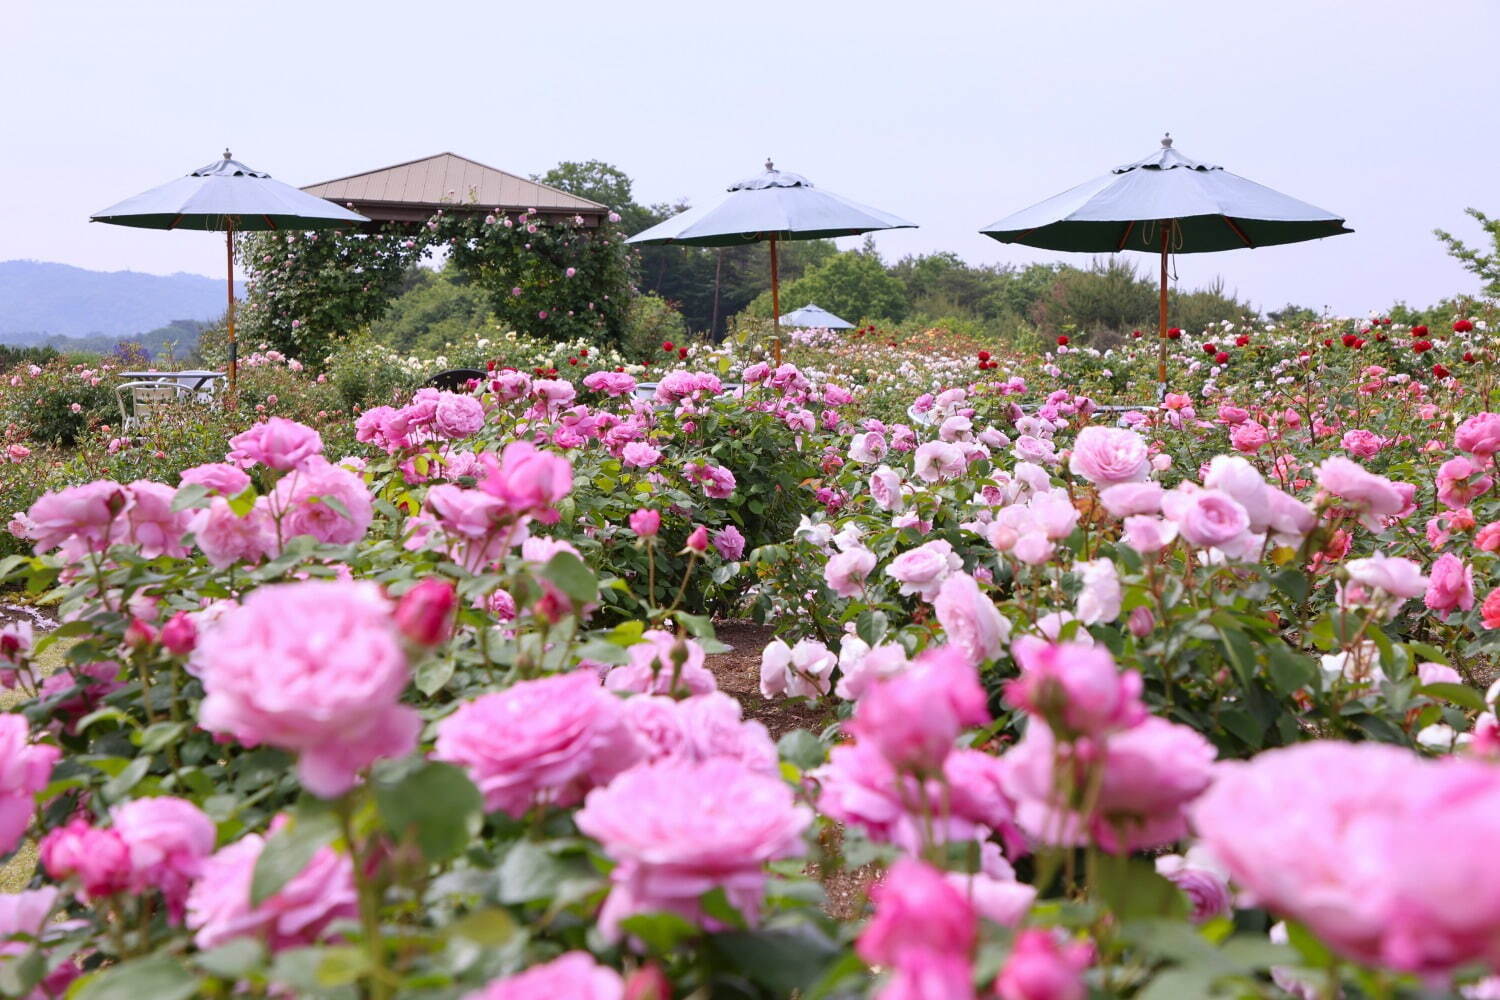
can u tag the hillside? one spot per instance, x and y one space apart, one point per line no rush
41 300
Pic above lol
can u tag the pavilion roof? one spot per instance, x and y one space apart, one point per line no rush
413 191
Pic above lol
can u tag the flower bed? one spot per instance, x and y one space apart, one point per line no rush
1181 700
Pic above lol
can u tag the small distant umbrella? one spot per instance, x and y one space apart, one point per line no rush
227 196
811 317
1165 204
770 207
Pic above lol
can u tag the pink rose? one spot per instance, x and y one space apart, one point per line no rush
1109 455
277 443
98 858
1460 481
680 829
1076 688
1206 518
645 522
610 383
151 523
80 518
315 668
1362 443
1249 437
885 488
970 619
1039 968
458 415
226 538
1372 495
25 769
640 455
846 571
168 840
915 716
1479 435
574 976
937 460
326 501
218 477
545 741
1147 534
917 910
923 569
1451 587
662 663
1125 499
297 914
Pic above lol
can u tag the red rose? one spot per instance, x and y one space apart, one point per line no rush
1062 341
1221 358
667 345
1419 331
1349 339
1210 349
1174 333
984 355
1241 340
1462 326
1438 371
1136 334
1469 356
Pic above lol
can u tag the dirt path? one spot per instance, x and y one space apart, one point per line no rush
738 674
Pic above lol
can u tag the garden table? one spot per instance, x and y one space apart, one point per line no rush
197 380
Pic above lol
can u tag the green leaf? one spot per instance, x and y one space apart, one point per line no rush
782 961
119 786
871 625
433 674
158 977
288 851
1239 652
490 928
1458 694
19 974
234 959
717 906
244 502
438 804
802 748
156 738
529 873
572 577
341 965
1133 889
334 504
190 495
1289 671
1293 583
660 932
1242 724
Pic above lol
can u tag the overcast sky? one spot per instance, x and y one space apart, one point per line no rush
952 114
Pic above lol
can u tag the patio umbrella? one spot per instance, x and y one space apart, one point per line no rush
228 196
1165 204
771 207
815 317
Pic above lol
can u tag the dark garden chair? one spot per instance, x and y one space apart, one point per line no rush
455 379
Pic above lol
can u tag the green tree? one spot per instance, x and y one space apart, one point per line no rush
854 285
436 310
1485 265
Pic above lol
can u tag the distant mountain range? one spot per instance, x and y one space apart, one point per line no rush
41 302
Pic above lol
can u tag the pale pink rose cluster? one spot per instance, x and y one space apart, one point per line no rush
432 415
801 671
662 663
88 519
1392 865
698 728
610 383
316 668
1106 456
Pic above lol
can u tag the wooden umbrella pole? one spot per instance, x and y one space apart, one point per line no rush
775 303
234 364
1161 328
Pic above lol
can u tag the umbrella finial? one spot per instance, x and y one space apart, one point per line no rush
770 167
227 154
1166 141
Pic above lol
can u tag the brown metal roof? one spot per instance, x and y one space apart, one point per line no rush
412 191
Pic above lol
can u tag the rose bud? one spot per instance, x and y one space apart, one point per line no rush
425 612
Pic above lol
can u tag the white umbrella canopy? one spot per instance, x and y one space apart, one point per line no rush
227 196
811 317
1163 204
773 206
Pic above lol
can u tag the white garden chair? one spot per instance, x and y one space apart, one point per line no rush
143 402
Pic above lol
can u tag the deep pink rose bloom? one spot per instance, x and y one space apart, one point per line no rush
573 976
98 858
1152 771
1451 586
917 909
370 426
81 516
1459 482
970 619
315 668
1109 455
914 717
297 914
640 455
510 386
1479 435
529 480
729 542
151 523
679 829
226 538
25 769
609 383
645 522
219 477
1206 518
1362 443
424 614
543 741
1076 688
698 728
1393 864
302 501
168 840
1039 968
278 443
1249 437
457 415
